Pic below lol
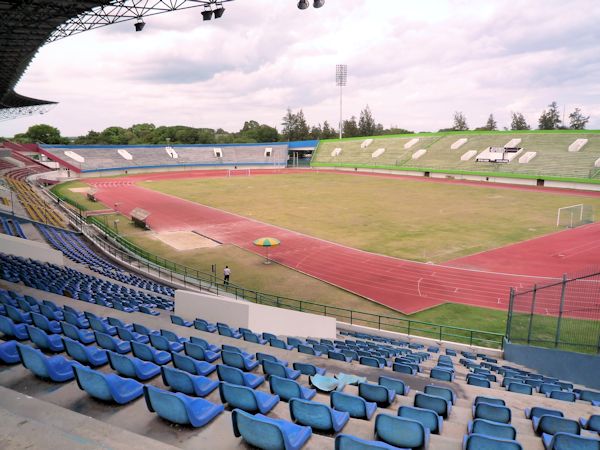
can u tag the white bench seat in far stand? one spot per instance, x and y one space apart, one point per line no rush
577 145
377 153
125 154
419 153
336 151
468 155
528 156
458 144
171 152
366 143
513 143
410 143
597 163
77 157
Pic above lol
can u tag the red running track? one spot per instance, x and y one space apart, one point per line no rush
403 285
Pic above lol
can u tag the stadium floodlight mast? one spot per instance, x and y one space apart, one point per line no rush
341 79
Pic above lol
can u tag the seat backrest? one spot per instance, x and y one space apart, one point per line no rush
40 321
199 341
373 392
400 431
38 337
305 368
274 368
520 388
34 360
142 351
352 404
316 415
306 349
233 359
393 383
402 368
122 364
590 396
265 357
490 400
568 441
92 382
553 424
168 405
480 441
250 337
75 350
433 402
194 350
478 381
440 374
184 362
493 429
159 342
444 392
96 323
277 343
428 418
179 380
284 387
562 395
257 430
593 422
238 396
231 375
169 335
369 361
7 326
141 329
105 341
495 413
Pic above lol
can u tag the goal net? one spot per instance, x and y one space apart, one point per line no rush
574 215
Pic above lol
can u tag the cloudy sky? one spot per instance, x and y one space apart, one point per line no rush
414 63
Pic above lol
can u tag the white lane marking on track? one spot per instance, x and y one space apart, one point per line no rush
419 286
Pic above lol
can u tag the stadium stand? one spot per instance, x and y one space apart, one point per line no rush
552 153
104 158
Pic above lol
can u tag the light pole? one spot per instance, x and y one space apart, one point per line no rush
341 78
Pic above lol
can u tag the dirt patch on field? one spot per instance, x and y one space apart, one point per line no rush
80 190
185 240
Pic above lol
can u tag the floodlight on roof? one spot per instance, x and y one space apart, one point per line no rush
303 4
318 3
219 11
207 13
139 24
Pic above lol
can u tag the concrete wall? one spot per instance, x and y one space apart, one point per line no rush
259 318
579 186
577 368
30 249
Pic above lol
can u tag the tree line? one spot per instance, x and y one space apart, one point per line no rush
294 127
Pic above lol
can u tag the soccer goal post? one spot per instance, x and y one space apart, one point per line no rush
574 215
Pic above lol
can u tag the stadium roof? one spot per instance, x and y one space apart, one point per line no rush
26 25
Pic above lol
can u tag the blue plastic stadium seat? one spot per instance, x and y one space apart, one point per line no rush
76 320
132 367
592 423
192 366
142 329
90 356
538 411
49 342
235 349
278 343
203 325
266 356
397 385
107 386
98 325
56 368
108 342
288 389
562 395
186 383
198 352
339 356
356 406
381 395
162 343
128 335
149 353
309 369
371 362
237 360
483 442
173 337
403 368
177 320
226 331
318 416
8 353
438 404
520 388
476 380
548 424
589 396
495 413
13 330
264 432
440 391
275 368
204 344
233 375
349 442
17 315
440 373
545 388
308 350
492 429
77 334
247 399
254 338
50 313
569 441
116 322
428 418
490 400
401 432
180 408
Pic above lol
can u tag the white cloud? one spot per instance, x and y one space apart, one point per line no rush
414 63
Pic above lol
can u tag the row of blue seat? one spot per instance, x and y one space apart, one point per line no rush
12 227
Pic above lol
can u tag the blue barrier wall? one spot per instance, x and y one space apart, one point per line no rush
577 368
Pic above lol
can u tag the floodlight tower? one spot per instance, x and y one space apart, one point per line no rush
341 78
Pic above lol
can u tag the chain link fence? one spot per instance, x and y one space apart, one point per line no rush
564 314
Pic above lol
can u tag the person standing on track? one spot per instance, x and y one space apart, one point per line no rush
226 273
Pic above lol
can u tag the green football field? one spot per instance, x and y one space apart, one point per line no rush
404 218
